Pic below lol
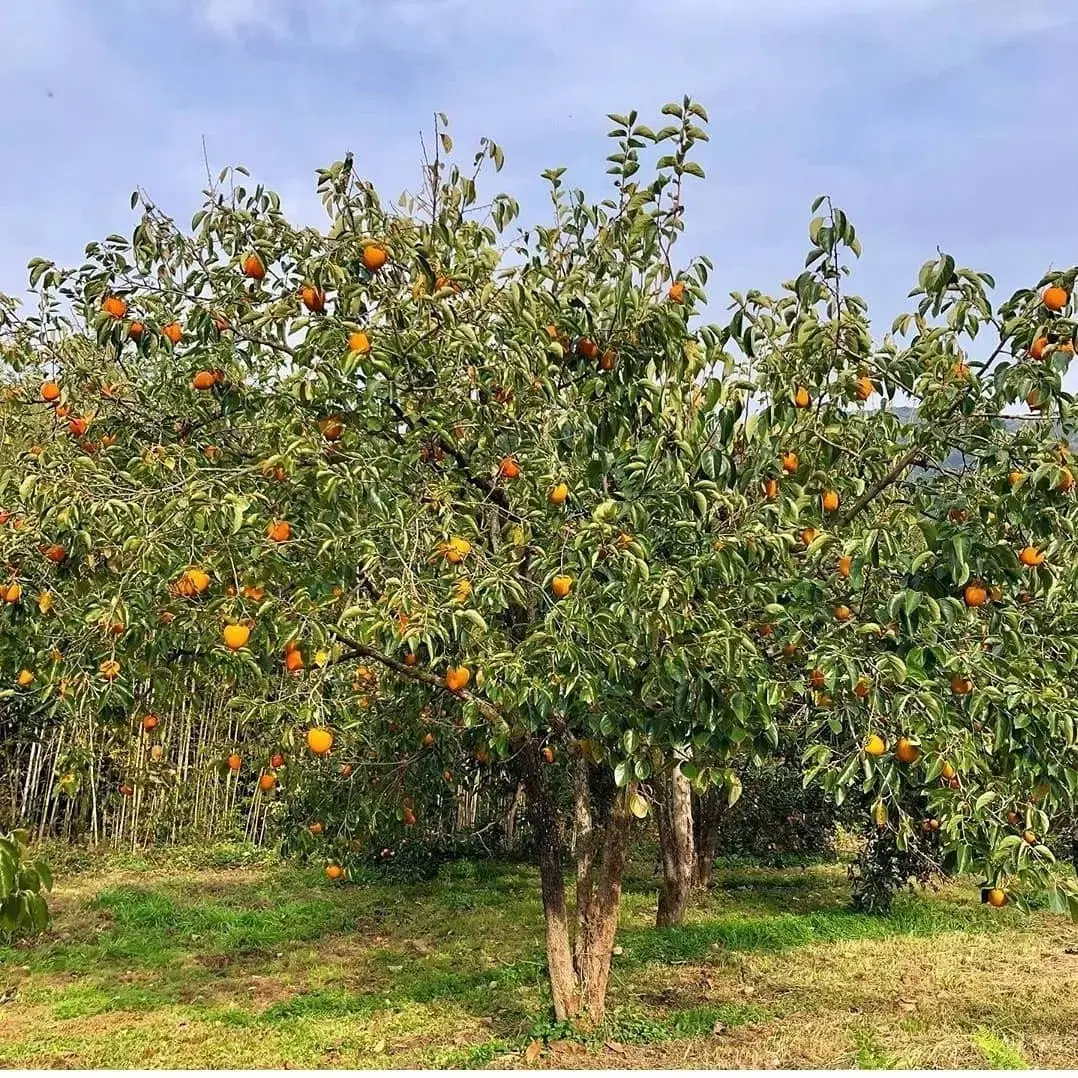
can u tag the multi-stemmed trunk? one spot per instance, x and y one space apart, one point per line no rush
676 846
579 970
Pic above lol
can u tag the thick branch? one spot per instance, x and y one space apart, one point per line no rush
423 677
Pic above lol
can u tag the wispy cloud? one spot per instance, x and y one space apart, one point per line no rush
930 121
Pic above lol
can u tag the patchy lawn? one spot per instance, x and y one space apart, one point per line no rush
166 962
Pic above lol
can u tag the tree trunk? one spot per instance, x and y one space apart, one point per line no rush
597 923
509 834
676 846
579 971
707 816
584 849
544 819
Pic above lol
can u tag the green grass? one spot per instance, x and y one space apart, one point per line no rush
999 1054
172 960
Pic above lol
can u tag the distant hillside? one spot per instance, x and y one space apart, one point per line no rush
955 460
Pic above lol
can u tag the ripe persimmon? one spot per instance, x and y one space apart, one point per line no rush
457 677
961 686
266 782
771 489
334 872
1054 298
802 398
279 531
293 661
1037 348
1031 557
559 494
508 468
907 751
843 612
173 332
236 636
150 722
1066 481
830 501
50 392
790 463
561 586
587 348
319 740
359 342
863 388
374 257
135 331
845 564
331 427
254 267
203 380
114 307
234 762
313 299
677 292
55 553
975 594
875 745
996 897
456 550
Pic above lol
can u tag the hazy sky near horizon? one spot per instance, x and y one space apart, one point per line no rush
931 122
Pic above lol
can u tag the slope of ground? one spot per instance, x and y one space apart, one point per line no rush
168 963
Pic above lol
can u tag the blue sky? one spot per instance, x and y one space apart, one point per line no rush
932 122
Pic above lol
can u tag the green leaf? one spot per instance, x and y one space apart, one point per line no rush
734 789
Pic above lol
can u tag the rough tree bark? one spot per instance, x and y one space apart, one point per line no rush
707 816
580 973
546 826
584 847
676 846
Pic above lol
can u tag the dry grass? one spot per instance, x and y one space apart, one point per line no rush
270 967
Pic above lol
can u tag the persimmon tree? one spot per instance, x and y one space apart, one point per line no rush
923 631
427 459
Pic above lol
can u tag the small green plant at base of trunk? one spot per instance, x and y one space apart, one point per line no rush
23 911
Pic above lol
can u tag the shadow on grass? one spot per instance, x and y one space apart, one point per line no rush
485 957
